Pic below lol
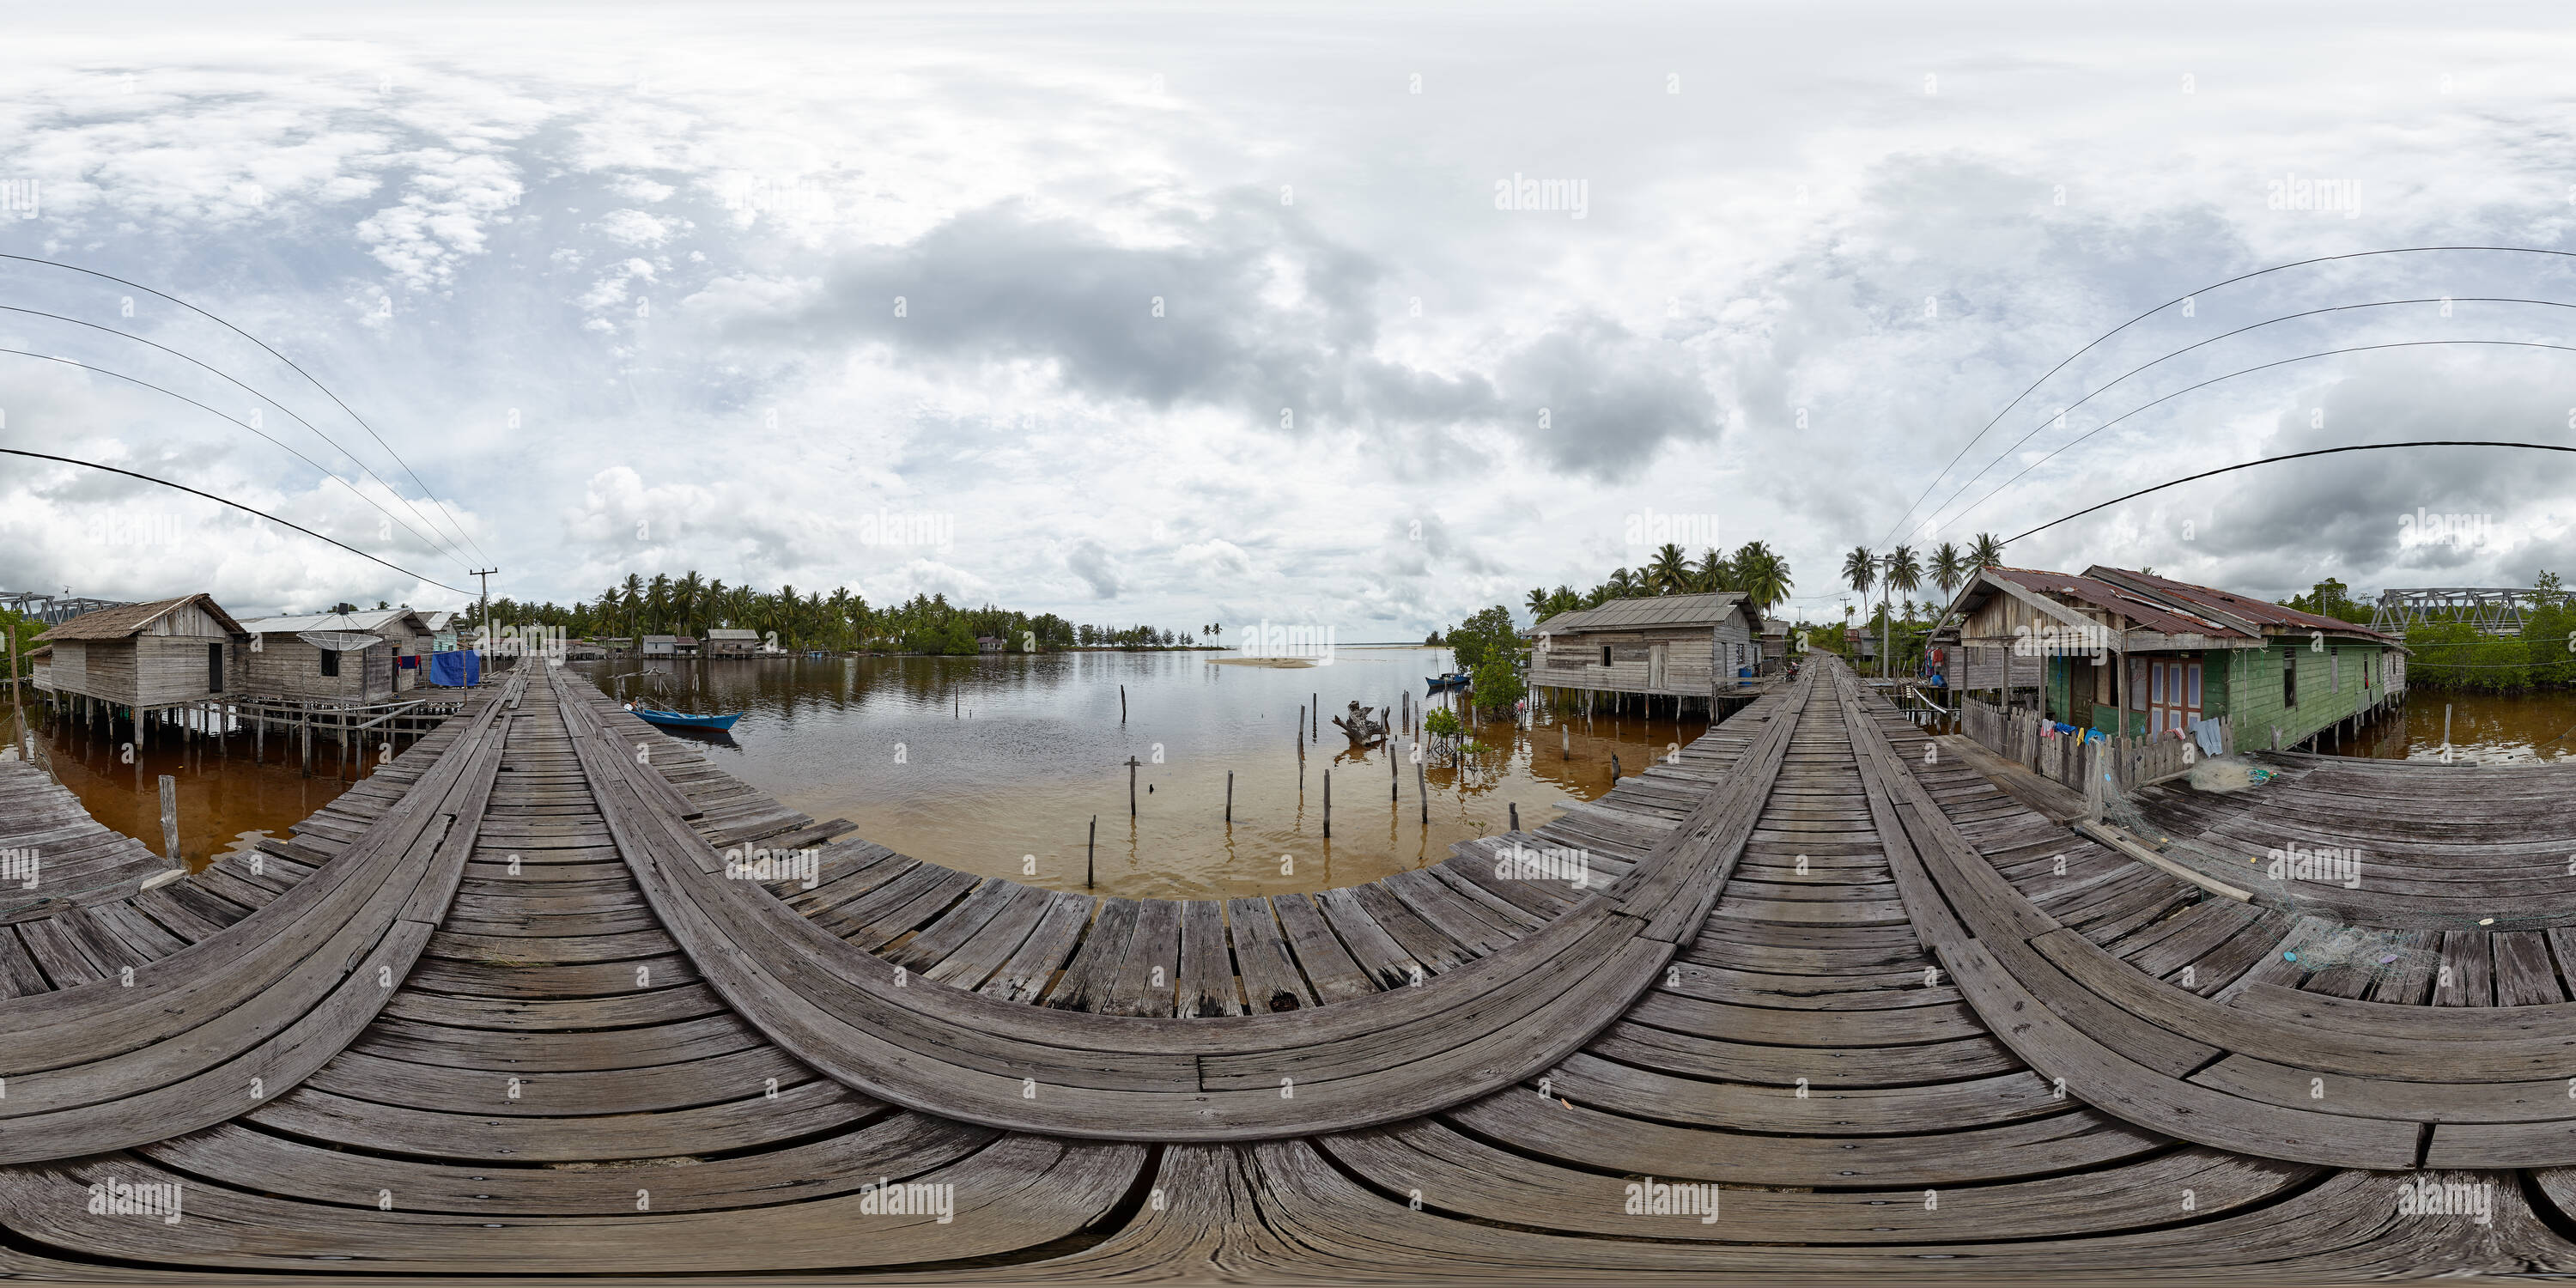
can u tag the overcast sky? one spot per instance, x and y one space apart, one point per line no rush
1236 313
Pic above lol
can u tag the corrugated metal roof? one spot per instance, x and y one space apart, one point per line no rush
127 619
1656 610
370 620
730 633
2258 611
2169 619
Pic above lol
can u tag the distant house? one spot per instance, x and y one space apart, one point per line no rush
661 646
684 645
583 651
142 656
442 630
287 657
988 643
42 659
618 645
727 641
1687 646
1860 645
2113 649
1775 643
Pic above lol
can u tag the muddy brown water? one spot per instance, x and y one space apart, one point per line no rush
2523 728
996 765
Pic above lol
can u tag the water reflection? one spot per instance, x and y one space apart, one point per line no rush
1000 764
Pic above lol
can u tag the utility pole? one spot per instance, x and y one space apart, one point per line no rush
485 576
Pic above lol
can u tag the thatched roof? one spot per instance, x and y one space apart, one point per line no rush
126 621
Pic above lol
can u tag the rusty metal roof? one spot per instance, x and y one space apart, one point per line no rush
2171 607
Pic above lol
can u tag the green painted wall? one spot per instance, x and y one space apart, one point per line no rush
2255 697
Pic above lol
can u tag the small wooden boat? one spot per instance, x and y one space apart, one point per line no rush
1453 680
682 720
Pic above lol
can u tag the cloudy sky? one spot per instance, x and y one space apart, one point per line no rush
1364 315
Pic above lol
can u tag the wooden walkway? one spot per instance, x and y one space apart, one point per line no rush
501 1010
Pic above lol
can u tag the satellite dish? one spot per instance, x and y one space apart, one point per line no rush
339 641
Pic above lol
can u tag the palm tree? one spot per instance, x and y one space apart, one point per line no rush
632 596
1860 569
1537 603
1987 551
1622 583
1670 571
1762 575
1714 574
1903 575
1949 568
687 592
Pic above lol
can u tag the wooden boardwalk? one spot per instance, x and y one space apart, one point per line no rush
503 1009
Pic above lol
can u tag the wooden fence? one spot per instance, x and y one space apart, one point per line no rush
2072 759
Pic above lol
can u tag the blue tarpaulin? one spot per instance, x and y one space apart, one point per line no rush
456 670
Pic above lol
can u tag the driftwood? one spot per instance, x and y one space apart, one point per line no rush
1365 724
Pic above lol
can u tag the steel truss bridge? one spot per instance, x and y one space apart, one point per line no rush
53 610
2492 611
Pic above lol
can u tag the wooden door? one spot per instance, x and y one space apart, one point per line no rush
1655 667
2173 694
214 668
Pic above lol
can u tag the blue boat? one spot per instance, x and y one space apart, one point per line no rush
679 720
1453 680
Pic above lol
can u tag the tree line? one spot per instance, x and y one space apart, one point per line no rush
842 620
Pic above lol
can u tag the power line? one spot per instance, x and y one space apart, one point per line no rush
2098 340
290 362
2362 348
227 377
317 465
2286 317
2294 456
66 460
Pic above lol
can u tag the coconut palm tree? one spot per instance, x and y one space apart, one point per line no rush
1536 602
686 594
1713 573
1761 574
631 595
1987 551
1860 569
1622 583
1949 567
1669 573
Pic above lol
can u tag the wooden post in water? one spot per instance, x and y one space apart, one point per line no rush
2446 726
1090 848
1122 704
1516 815
170 818
1565 741
1229 796
1394 776
1614 769
1132 763
1328 804
1422 790
1318 717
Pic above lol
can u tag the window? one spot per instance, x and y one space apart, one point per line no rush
2334 670
1605 655
2137 684
214 668
330 662
2290 680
